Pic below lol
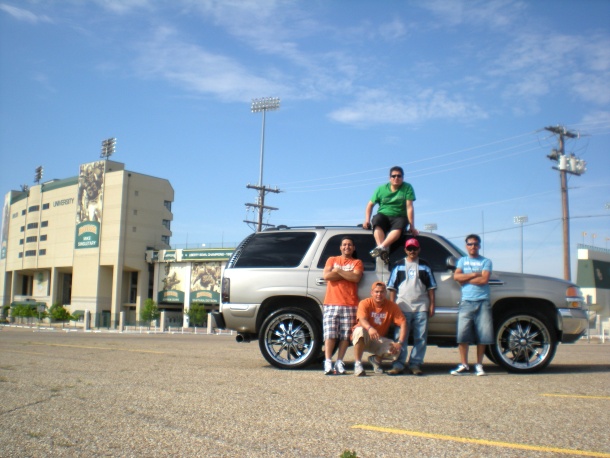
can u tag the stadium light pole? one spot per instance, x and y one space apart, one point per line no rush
520 220
263 105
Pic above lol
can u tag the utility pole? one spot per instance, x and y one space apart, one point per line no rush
565 165
262 105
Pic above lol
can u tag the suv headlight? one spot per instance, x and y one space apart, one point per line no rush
574 297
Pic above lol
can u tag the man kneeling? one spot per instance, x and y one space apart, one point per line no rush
375 315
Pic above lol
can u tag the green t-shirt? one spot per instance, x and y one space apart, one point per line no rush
393 203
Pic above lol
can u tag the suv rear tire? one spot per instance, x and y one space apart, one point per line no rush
525 342
290 339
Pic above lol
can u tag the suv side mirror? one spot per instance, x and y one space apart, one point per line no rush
451 262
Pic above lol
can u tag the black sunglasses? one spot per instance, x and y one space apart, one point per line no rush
395 176
473 244
411 248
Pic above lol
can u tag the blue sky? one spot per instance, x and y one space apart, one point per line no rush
456 92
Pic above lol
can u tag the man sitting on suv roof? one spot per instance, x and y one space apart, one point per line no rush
395 213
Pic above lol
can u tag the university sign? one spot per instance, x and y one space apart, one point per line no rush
87 235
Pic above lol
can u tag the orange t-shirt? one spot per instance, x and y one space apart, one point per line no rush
343 292
380 317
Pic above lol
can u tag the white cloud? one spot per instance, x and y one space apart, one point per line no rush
24 15
199 70
376 106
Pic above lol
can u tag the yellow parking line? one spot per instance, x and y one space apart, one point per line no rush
483 442
102 348
582 396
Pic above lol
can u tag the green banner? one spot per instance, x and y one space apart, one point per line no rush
87 235
210 254
171 295
205 296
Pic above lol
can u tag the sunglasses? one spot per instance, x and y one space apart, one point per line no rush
395 176
411 248
473 244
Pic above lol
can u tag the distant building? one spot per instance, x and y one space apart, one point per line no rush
81 241
593 277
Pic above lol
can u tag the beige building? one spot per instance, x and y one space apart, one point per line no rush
81 241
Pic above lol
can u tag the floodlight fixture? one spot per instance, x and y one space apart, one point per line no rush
265 104
38 172
108 147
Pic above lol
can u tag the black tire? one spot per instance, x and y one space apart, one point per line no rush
524 342
490 354
290 339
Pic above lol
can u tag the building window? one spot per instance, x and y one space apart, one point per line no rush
20 241
20 255
165 239
134 229
45 206
136 193
34 208
133 288
22 228
33 226
44 224
167 205
42 252
31 239
23 212
167 223
135 212
27 285
30 253
43 238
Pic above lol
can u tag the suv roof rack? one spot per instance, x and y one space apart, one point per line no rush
284 227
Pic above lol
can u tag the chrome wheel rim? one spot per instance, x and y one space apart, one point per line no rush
523 342
289 339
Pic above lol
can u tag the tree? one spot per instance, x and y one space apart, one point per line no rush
25 311
150 311
197 315
59 313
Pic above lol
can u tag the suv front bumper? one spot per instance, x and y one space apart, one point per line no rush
574 324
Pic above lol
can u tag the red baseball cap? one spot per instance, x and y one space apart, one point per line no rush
412 242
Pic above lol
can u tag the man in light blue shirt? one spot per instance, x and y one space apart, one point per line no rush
475 321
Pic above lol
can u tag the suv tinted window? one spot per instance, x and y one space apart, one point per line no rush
275 249
364 243
431 251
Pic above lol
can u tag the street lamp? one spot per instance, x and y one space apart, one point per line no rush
520 220
430 227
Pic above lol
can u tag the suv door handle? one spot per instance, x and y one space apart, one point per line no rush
320 281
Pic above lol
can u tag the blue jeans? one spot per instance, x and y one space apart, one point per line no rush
475 323
417 326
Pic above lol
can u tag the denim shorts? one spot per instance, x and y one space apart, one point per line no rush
475 323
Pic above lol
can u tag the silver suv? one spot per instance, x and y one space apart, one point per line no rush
273 290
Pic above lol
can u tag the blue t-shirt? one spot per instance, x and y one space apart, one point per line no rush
469 265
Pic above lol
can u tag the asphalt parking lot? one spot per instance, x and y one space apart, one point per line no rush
71 394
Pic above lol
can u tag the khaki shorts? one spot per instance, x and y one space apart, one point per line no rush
379 347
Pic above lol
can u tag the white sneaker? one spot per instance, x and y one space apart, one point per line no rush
339 367
478 370
359 370
328 367
376 364
462 369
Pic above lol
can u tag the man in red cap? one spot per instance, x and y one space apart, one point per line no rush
411 286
